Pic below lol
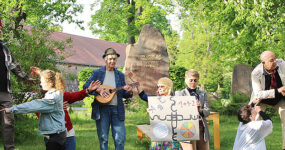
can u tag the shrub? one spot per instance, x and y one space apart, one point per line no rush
229 106
138 105
83 76
177 75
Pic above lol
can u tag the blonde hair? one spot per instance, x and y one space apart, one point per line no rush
55 80
191 73
166 82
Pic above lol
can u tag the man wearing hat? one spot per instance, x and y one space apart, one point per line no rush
7 64
113 113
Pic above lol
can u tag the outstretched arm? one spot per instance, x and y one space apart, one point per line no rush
72 97
93 77
38 105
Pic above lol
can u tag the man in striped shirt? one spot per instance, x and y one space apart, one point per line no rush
7 64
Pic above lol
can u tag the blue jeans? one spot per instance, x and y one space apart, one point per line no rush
109 116
70 143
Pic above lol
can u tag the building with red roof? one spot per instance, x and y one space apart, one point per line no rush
84 52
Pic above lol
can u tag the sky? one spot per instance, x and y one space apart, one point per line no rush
86 17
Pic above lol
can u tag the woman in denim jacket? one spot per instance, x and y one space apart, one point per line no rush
51 121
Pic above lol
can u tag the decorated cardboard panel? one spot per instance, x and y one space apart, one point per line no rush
173 118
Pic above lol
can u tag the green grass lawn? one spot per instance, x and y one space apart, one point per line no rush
86 135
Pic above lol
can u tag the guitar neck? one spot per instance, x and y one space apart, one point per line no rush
132 85
119 88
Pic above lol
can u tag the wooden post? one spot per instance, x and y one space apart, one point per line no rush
139 134
216 125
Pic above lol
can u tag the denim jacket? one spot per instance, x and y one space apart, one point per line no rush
12 65
51 108
99 74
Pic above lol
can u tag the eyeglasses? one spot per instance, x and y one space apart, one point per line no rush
193 80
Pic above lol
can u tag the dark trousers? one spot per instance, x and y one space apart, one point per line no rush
55 141
7 121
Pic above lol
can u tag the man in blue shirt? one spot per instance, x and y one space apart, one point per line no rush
113 113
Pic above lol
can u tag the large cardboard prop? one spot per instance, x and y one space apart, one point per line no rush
173 118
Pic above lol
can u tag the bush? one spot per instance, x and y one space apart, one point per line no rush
83 76
138 105
225 90
229 106
25 127
177 75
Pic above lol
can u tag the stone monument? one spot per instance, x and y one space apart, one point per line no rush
241 79
147 59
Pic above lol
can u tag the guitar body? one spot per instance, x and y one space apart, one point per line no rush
111 91
107 100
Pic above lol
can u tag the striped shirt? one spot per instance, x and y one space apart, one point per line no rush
11 65
3 72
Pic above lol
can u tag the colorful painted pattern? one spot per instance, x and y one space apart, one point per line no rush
188 130
165 145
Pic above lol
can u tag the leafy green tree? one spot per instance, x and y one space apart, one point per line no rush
172 42
121 20
26 29
177 75
238 31
241 29
195 52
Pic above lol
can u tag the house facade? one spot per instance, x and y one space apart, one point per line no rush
84 52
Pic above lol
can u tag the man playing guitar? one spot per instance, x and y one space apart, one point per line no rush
112 113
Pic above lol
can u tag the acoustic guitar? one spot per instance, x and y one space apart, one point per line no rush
111 91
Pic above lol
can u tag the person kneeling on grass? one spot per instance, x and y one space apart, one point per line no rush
51 121
251 133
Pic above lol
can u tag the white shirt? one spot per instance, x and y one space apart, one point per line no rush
251 136
110 81
70 132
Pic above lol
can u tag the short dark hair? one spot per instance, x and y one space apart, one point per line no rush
244 113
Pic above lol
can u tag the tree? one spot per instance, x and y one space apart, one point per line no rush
242 29
121 20
27 26
238 31
195 52
172 41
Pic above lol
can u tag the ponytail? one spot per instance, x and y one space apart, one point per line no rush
59 82
55 80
